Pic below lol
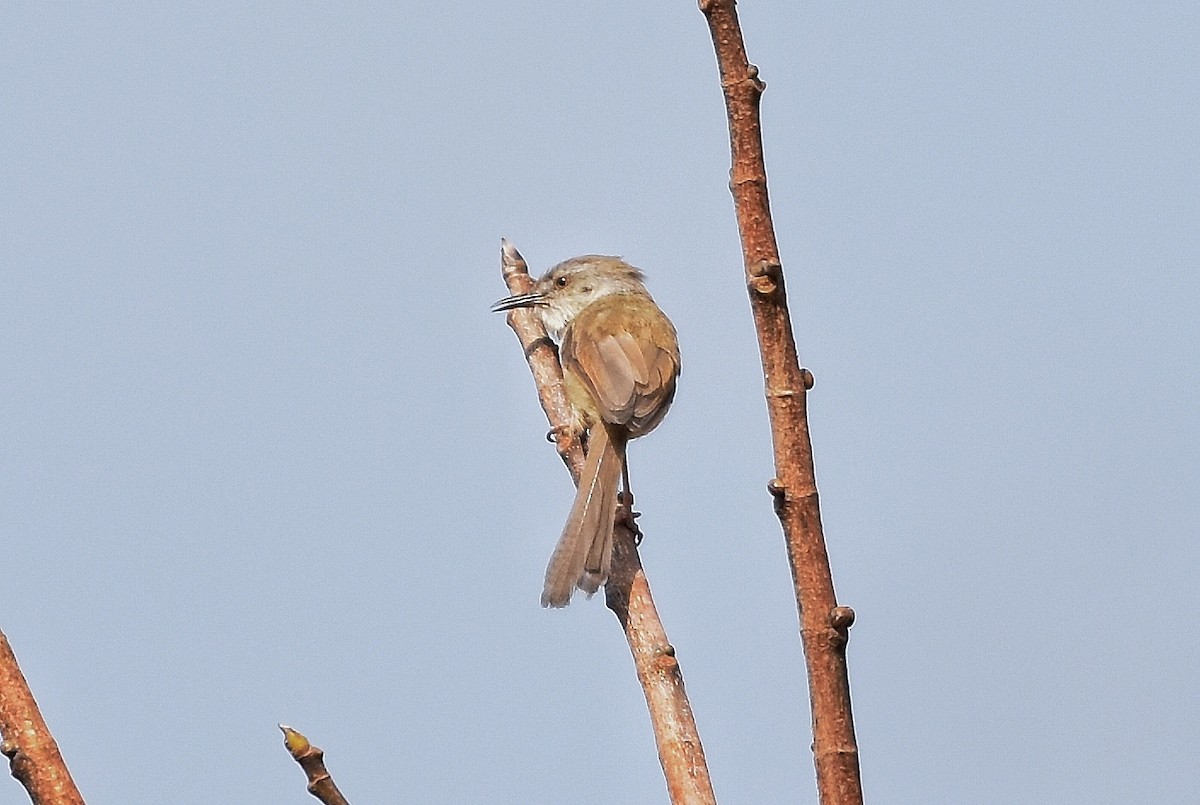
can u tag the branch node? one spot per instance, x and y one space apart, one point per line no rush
760 86
764 277
807 378
841 618
776 487
749 84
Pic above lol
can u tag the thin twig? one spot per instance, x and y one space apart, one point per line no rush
824 626
627 593
312 760
32 753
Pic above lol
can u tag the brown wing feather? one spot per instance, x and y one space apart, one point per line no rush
630 369
615 378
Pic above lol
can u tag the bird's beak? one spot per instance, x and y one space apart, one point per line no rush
531 299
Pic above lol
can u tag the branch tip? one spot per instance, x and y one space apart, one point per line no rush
511 260
294 741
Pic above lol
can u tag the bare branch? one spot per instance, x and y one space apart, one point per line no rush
312 760
824 625
32 753
627 593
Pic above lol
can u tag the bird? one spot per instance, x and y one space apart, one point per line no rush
620 358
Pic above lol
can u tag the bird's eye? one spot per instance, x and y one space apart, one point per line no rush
561 282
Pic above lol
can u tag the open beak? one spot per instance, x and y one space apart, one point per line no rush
531 299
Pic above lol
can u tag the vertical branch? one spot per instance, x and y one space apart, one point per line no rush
627 592
824 626
32 753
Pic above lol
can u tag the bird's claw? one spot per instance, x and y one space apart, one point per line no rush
627 517
564 435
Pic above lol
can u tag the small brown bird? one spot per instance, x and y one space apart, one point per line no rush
620 360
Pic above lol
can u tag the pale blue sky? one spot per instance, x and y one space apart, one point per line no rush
267 457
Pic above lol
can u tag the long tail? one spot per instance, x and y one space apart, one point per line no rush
583 555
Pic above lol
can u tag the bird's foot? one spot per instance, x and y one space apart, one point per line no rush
566 436
627 517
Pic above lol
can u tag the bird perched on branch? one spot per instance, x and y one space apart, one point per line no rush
620 360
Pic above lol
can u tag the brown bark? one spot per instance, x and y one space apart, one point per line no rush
627 593
32 753
824 626
312 760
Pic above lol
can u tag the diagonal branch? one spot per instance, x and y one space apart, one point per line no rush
824 626
32 753
627 593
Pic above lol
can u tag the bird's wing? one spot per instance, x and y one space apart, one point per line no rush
623 350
